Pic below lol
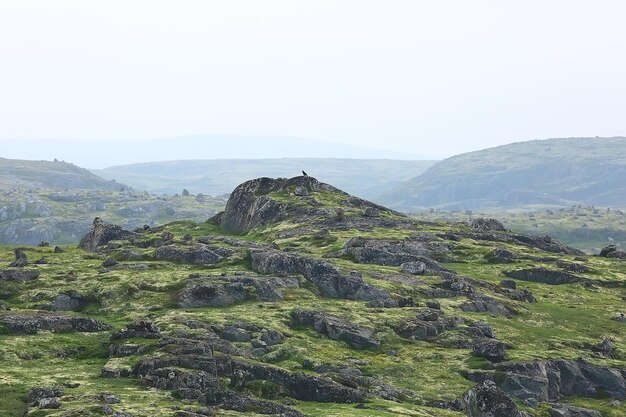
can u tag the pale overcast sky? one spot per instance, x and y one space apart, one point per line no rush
422 77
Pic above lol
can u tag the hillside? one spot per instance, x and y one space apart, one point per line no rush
540 173
16 173
363 177
302 300
56 202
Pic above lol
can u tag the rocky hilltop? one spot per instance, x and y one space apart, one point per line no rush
302 300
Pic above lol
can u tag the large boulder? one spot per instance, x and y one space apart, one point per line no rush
21 259
545 276
326 277
102 233
487 400
551 380
252 203
22 323
18 274
336 328
486 224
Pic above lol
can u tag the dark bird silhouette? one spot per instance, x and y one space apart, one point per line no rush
305 174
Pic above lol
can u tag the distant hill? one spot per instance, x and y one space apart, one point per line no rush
363 177
57 201
539 173
99 154
50 174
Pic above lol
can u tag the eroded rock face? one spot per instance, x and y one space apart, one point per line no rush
336 328
325 276
102 233
10 274
551 380
486 224
250 206
31 324
487 400
199 254
545 276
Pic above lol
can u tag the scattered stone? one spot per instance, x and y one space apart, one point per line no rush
508 283
198 254
102 233
433 305
37 394
336 328
18 274
58 249
545 276
487 400
142 327
31 324
501 256
485 224
566 410
21 260
492 350
68 301
414 268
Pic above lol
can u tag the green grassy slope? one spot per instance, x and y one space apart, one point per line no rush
549 173
564 320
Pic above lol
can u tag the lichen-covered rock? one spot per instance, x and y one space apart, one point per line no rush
102 233
336 328
487 400
31 324
325 276
486 224
142 327
18 274
545 276
199 254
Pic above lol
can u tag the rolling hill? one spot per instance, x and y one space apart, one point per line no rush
363 177
539 173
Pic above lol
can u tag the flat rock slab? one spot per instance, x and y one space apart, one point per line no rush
33 323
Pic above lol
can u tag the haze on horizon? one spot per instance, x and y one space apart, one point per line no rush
394 78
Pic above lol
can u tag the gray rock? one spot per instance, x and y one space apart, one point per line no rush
491 349
566 410
102 233
325 276
10 274
487 400
545 276
486 224
336 328
21 259
142 327
414 268
30 324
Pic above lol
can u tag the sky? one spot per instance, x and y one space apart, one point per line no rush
432 78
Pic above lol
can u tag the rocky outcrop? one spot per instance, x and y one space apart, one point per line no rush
224 291
487 400
102 233
18 274
486 224
336 328
199 254
251 204
480 303
492 350
21 260
548 381
427 325
325 276
69 301
545 276
31 324
566 410
142 327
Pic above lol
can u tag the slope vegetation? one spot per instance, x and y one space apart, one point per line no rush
300 299
554 172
